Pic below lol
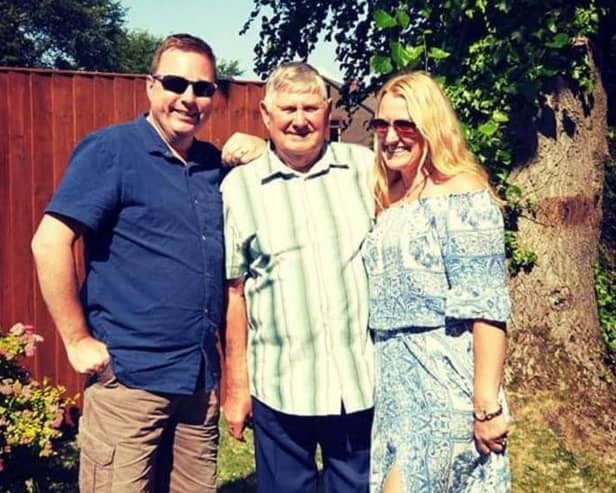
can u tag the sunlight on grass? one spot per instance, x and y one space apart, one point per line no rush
541 461
235 463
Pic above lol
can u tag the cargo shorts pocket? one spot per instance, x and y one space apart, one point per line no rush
96 463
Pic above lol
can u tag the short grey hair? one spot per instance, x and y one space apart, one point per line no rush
294 75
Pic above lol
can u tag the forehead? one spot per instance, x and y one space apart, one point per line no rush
189 64
393 105
297 95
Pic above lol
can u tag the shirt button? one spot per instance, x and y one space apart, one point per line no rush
195 202
203 237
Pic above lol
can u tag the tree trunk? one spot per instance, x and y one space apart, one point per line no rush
555 343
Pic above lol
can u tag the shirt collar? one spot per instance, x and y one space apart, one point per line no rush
275 168
154 143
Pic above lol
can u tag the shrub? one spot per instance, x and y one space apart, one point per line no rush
37 450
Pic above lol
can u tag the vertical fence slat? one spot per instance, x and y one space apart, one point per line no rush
254 121
84 106
6 298
43 186
141 99
238 108
20 193
123 99
63 124
103 101
216 129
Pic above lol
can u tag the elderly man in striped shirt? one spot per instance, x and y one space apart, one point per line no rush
298 354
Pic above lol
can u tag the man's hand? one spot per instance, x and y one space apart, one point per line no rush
237 411
242 148
87 355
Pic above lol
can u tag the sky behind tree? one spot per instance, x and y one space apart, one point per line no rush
219 23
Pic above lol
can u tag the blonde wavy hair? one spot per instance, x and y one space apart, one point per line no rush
446 153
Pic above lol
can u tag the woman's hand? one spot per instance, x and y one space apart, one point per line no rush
491 435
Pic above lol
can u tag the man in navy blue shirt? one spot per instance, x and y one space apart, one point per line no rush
144 196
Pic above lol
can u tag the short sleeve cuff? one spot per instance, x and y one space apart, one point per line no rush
492 304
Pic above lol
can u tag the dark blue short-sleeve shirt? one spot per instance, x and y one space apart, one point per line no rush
154 254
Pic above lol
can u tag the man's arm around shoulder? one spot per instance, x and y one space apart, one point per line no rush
52 247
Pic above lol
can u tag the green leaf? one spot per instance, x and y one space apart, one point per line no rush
381 64
499 116
399 54
488 128
437 53
403 19
513 191
405 56
559 41
384 20
503 5
549 71
414 53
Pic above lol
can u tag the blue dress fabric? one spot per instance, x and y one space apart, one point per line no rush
433 266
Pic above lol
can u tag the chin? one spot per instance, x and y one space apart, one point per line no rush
398 163
184 126
302 148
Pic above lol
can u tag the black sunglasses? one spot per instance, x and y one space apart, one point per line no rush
402 127
177 84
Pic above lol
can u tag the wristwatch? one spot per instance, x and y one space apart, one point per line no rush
482 415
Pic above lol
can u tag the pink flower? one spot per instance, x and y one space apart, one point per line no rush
17 329
17 387
57 422
6 387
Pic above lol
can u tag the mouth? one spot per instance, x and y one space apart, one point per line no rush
187 115
299 134
397 149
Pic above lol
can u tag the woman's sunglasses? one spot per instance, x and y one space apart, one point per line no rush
403 128
177 84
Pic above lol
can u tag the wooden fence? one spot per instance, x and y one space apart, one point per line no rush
43 114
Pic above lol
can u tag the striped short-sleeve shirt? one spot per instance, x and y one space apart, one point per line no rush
295 238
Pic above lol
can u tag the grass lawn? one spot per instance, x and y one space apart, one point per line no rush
235 463
542 461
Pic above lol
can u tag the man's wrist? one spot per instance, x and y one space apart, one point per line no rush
76 338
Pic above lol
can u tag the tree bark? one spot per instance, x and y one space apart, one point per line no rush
555 343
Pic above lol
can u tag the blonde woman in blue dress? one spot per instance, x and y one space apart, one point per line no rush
438 302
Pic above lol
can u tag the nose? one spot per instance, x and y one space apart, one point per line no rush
299 118
188 94
391 135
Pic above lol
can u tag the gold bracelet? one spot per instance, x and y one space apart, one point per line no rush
482 415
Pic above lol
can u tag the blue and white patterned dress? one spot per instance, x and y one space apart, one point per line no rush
433 265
